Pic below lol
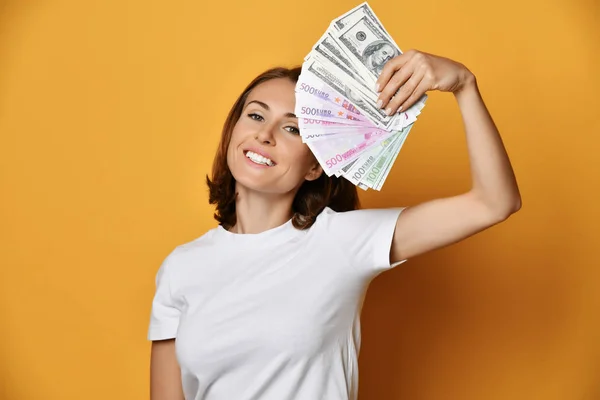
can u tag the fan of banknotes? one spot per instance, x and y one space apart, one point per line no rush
336 101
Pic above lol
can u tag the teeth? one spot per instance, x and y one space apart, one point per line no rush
257 158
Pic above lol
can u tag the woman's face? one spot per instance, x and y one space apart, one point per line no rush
266 152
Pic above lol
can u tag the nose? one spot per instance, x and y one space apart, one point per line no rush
266 135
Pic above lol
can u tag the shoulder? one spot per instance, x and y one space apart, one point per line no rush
329 215
346 219
190 252
208 239
365 235
348 225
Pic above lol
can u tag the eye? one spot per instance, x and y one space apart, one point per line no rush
256 117
292 129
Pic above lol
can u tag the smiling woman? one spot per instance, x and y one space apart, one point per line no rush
261 125
267 305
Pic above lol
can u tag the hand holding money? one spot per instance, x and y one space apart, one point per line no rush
407 77
340 120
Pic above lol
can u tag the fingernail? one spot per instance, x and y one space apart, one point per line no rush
377 87
388 111
400 109
379 103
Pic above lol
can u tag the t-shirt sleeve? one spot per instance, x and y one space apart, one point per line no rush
164 317
367 236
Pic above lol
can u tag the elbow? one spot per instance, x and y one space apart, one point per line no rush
503 212
496 209
517 205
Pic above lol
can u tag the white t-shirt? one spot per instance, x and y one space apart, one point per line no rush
273 315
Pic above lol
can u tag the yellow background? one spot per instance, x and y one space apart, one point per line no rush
110 112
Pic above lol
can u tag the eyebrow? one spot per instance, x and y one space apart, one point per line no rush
266 107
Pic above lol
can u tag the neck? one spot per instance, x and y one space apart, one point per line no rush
257 212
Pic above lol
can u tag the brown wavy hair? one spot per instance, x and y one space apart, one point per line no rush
312 197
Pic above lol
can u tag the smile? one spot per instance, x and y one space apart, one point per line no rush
258 159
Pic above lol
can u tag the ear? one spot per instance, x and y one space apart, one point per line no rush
314 172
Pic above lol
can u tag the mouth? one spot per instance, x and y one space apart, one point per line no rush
259 159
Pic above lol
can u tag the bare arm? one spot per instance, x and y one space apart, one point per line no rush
165 374
494 194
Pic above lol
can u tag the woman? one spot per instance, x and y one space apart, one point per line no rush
267 305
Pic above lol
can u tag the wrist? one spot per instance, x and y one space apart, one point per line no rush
469 84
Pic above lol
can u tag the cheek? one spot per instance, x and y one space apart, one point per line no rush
303 158
235 138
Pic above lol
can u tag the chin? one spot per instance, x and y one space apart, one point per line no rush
256 185
262 184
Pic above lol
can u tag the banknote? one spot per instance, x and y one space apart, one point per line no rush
335 153
358 170
358 12
369 47
374 174
365 98
312 122
360 24
342 108
311 84
331 75
327 112
336 101
316 135
326 48
388 166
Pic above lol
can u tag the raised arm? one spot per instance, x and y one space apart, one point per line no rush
494 194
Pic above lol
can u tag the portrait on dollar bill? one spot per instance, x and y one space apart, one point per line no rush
377 54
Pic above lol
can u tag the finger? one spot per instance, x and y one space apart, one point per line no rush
391 67
396 82
405 91
416 95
